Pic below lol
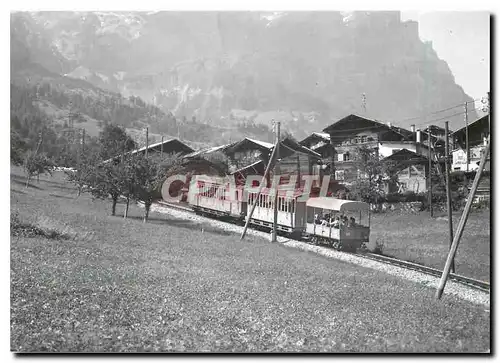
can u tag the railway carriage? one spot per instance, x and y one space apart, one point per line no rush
291 210
321 215
217 198
298 215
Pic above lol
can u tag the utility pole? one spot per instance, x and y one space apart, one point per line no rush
489 118
430 170
448 188
363 102
147 141
83 140
256 200
463 221
332 168
466 115
161 148
277 181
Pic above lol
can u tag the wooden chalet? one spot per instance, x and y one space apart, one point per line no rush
172 146
295 159
168 147
477 132
412 173
354 131
247 152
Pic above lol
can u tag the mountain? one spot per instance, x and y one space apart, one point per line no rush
307 69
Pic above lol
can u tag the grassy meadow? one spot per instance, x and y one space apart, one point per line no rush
421 239
107 284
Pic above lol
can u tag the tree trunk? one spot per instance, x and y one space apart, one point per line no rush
126 208
28 180
113 208
38 178
147 206
79 191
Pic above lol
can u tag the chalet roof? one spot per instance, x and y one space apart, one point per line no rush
477 122
254 166
407 155
353 123
293 146
316 136
341 124
206 151
288 146
168 145
249 144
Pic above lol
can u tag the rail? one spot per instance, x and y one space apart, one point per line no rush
476 284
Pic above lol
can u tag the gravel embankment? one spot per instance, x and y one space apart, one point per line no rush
463 292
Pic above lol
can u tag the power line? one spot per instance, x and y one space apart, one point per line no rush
439 111
383 125
445 117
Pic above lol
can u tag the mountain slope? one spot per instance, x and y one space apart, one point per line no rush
308 68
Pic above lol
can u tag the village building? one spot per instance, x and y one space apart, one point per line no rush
167 147
477 132
411 175
353 132
247 152
249 156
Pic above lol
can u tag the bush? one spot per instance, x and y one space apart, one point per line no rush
43 227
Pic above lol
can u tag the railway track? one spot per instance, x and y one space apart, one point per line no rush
480 285
476 284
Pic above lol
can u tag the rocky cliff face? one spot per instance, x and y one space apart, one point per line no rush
306 68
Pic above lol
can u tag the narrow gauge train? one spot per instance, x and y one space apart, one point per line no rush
311 218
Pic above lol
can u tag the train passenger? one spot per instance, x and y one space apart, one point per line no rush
352 222
317 219
336 222
326 220
343 221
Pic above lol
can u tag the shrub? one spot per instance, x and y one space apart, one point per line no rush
43 227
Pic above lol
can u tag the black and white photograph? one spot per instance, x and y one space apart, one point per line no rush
250 181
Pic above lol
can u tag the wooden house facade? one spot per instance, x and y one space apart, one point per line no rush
353 132
477 132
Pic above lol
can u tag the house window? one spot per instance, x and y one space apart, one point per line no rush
339 174
363 139
362 174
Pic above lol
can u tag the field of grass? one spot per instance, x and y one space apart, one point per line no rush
116 285
421 239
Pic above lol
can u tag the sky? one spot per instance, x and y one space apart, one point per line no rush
462 39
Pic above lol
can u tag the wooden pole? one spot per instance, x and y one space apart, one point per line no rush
429 191
161 148
489 119
448 188
461 224
332 168
466 115
297 182
277 181
264 178
147 140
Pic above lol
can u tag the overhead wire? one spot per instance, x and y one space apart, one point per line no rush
440 111
445 117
